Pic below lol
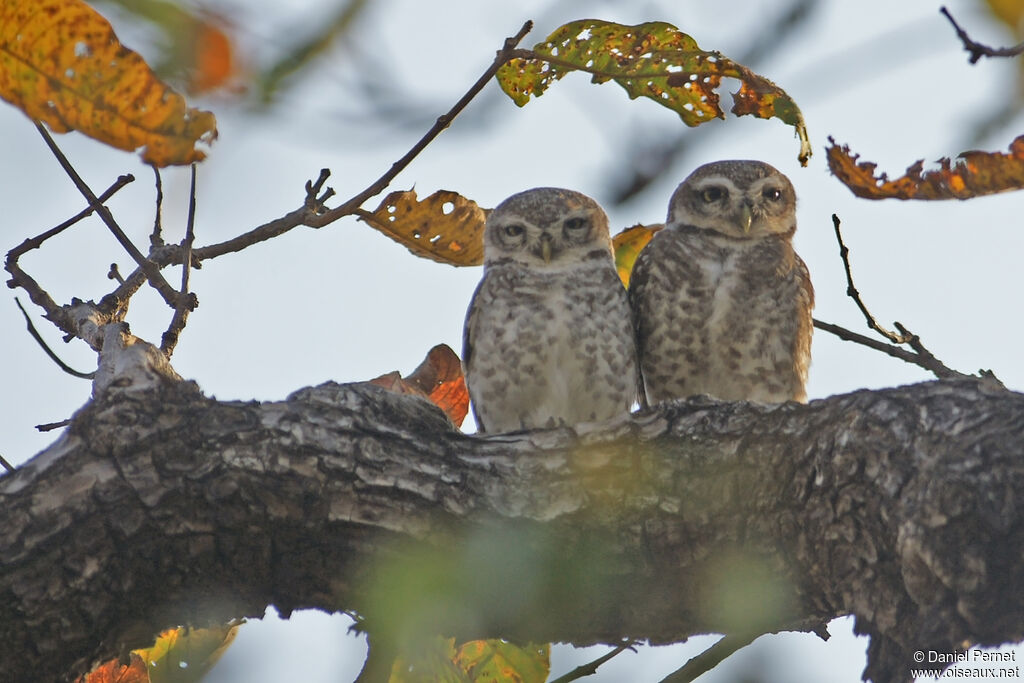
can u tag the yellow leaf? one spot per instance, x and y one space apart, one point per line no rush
185 655
628 244
445 227
1010 12
973 174
654 60
498 661
61 64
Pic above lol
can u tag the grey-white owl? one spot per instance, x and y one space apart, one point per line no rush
549 336
721 300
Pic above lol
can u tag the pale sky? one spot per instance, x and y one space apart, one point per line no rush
346 304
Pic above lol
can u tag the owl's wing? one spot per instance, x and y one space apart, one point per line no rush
637 282
468 332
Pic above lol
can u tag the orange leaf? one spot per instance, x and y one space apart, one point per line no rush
628 244
439 378
213 58
974 174
61 64
445 227
113 671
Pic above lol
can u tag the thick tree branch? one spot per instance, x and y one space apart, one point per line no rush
162 507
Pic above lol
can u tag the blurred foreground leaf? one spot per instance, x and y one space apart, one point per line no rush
195 48
438 378
113 671
445 227
973 174
61 64
628 244
179 655
185 655
654 60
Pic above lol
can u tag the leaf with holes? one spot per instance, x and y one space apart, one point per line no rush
628 244
445 227
654 60
973 174
61 64
438 378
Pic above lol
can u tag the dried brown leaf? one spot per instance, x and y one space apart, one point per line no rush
445 227
973 174
438 378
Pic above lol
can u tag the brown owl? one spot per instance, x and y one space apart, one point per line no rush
549 336
721 300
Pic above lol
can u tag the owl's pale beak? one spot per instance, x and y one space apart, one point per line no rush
746 217
546 242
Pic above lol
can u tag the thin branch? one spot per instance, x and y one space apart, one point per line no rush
921 357
151 269
7 466
155 238
890 349
49 352
590 668
851 290
181 311
710 658
313 213
35 242
507 52
978 50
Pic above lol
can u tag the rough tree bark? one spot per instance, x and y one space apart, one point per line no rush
162 507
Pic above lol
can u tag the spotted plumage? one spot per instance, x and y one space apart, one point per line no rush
722 301
549 336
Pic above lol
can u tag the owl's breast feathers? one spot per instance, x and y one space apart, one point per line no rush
723 316
549 347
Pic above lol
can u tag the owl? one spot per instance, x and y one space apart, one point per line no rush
548 338
722 302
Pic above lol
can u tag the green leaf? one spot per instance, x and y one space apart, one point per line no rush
653 60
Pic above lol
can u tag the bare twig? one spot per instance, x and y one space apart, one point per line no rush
181 311
921 356
155 238
978 50
151 269
851 290
7 466
115 274
49 352
710 658
506 53
590 668
35 242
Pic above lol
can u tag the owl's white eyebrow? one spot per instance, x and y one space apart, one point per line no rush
719 181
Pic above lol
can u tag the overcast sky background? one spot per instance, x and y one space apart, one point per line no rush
345 303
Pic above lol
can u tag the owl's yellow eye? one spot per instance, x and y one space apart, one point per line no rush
712 194
513 230
772 194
